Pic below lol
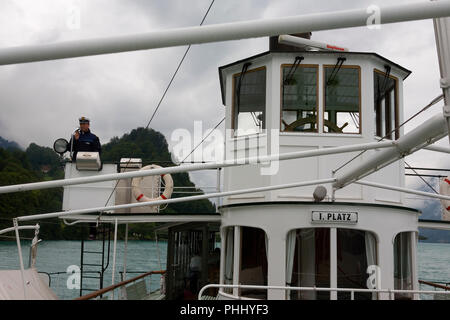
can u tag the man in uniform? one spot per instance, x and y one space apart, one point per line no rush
84 140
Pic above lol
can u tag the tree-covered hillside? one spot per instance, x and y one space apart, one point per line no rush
5 144
152 148
39 163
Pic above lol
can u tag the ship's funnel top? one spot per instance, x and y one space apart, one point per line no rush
275 46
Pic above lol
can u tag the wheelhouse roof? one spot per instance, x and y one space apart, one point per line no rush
266 53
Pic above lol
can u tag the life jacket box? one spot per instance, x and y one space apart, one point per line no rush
89 161
124 194
90 195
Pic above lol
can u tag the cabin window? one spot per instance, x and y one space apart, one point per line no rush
299 98
229 258
356 251
249 102
385 105
403 265
253 269
342 112
308 262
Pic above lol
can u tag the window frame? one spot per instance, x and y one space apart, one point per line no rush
395 134
317 66
411 264
235 76
357 67
335 239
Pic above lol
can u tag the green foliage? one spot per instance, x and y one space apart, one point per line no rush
15 168
39 163
152 147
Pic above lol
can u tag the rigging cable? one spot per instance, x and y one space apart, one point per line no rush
203 140
161 100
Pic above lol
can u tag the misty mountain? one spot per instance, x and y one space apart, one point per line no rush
5 144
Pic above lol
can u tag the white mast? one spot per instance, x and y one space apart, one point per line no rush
442 32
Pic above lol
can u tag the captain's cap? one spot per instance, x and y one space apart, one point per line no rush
84 120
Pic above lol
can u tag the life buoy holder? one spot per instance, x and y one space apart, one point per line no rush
444 189
141 197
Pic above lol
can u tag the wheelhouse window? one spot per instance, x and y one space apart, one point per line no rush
249 101
308 262
253 270
385 105
299 92
403 265
342 112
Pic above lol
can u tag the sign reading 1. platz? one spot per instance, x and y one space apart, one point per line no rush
334 216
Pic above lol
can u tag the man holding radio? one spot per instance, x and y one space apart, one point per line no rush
84 140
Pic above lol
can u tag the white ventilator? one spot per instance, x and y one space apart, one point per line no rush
139 194
444 189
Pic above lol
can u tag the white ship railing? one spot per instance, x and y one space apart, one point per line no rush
390 292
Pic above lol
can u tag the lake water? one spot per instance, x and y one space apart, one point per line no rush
142 256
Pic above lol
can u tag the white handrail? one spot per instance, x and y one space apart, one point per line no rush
437 149
35 227
262 287
225 32
405 190
196 167
174 200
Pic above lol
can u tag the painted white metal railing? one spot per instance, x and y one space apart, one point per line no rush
391 292
199 166
175 200
225 32
16 229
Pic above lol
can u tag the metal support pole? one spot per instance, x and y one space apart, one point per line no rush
19 249
405 190
236 259
442 34
114 257
125 253
333 262
415 281
218 189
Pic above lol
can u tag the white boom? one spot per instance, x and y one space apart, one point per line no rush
226 31
430 131
195 167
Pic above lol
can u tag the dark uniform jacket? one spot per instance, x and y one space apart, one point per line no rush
86 142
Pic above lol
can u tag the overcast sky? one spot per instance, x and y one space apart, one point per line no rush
41 102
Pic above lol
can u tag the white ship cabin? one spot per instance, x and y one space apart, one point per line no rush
288 99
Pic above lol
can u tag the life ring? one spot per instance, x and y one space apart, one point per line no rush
444 189
141 197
